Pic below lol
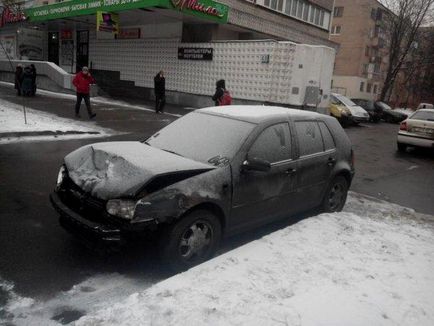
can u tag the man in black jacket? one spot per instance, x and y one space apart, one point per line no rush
219 91
160 91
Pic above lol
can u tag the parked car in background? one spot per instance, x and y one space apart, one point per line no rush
346 111
425 106
213 172
417 130
390 115
375 112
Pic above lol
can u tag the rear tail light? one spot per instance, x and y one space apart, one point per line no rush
403 126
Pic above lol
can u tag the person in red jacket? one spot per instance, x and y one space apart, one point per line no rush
82 82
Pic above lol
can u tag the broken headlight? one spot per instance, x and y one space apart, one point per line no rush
121 208
61 175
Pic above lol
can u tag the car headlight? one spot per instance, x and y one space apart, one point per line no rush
61 175
121 208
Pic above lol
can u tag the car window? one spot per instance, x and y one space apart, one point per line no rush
329 143
423 115
334 100
203 137
309 137
273 144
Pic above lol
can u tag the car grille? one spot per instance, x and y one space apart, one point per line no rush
80 202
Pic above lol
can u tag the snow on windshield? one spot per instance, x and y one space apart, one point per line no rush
202 137
345 100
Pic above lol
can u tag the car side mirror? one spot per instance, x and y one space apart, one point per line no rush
256 164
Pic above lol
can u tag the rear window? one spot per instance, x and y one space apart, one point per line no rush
309 137
423 115
329 143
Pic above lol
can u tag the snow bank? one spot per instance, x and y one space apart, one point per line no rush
373 268
12 120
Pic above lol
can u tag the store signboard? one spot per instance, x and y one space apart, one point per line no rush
107 22
129 33
203 54
9 15
206 9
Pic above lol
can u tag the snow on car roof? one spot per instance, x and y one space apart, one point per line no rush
257 113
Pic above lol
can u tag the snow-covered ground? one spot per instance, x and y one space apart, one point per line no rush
369 265
12 121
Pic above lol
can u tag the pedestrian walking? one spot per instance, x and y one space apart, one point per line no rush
82 82
34 75
27 82
18 78
160 92
221 95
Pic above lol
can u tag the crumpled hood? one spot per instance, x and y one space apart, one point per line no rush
119 169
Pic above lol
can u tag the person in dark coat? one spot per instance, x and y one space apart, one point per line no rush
219 91
27 82
34 74
82 82
160 92
18 78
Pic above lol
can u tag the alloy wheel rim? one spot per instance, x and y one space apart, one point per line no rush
336 196
195 241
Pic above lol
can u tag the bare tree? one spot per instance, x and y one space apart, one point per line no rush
403 23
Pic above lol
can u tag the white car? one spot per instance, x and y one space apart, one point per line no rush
417 130
358 114
425 106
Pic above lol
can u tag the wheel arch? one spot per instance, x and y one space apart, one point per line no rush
213 208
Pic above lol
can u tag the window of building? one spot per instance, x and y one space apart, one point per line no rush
367 51
373 13
375 89
273 144
369 88
300 10
294 7
338 12
280 5
274 4
288 4
306 12
336 30
362 86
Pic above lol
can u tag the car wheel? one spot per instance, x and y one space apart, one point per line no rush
191 240
402 147
336 195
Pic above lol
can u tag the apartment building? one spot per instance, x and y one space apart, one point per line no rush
358 26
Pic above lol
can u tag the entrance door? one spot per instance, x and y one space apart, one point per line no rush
82 49
53 47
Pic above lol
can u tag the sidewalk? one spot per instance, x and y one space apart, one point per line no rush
118 115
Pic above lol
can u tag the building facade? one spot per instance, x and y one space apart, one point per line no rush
358 26
150 33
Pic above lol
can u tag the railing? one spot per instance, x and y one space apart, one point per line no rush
49 69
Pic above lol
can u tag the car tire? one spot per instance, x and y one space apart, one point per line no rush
336 195
191 240
402 147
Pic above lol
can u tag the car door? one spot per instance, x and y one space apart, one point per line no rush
258 196
317 158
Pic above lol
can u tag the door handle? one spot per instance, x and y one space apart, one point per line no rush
331 161
290 171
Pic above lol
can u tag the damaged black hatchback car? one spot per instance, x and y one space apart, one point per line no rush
212 173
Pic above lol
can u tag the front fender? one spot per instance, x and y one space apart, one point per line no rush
173 201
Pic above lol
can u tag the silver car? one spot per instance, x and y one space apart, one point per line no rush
417 130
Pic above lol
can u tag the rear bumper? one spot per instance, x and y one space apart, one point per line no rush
415 141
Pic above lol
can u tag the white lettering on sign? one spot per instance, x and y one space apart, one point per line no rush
95 4
79 6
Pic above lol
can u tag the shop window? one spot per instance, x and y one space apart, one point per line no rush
338 12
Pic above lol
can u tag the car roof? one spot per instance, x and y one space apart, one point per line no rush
258 113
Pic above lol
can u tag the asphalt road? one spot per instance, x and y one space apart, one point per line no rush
41 259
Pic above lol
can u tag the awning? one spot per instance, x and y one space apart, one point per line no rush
205 9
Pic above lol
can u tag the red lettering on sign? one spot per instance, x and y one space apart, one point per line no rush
196 6
10 17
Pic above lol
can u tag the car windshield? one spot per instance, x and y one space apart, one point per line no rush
384 106
345 100
203 137
423 115
367 105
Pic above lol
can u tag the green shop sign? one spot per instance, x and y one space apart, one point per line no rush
206 9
